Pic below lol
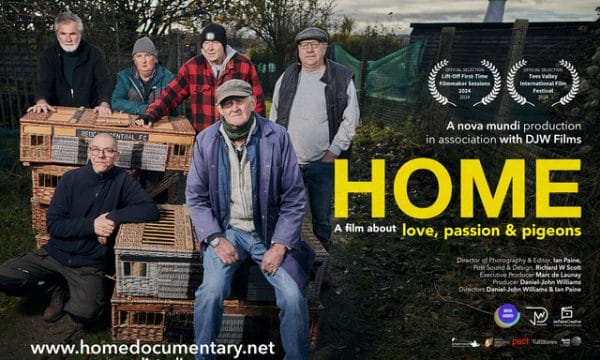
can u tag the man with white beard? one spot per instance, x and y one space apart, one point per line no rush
72 72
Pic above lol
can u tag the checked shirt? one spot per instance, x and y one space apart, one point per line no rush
195 79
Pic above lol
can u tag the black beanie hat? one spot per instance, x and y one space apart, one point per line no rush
214 32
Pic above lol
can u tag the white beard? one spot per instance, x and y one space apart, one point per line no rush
70 48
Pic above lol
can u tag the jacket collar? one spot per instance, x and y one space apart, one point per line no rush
326 78
102 176
136 74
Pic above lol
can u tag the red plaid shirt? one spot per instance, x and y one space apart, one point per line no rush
195 78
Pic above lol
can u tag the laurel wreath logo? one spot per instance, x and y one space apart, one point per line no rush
431 84
510 84
497 84
574 87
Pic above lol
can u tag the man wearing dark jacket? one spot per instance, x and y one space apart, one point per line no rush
88 206
72 72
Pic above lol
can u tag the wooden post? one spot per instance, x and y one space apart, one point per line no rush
363 74
444 112
446 42
4 116
445 50
515 53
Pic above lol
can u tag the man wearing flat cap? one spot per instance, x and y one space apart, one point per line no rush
199 78
316 101
246 200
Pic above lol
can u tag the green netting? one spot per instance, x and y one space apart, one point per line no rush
390 77
265 68
343 57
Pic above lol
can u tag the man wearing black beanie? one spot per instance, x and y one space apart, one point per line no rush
200 77
214 32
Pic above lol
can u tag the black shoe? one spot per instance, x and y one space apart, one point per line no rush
54 311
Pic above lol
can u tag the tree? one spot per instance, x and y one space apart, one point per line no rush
380 39
345 28
276 22
152 17
25 17
113 25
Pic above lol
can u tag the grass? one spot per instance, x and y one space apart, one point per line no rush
16 235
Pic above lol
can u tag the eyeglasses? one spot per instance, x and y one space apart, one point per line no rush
306 44
96 151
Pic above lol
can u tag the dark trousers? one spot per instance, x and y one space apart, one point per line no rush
318 180
37 274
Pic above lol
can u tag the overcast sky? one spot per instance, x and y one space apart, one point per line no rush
404 12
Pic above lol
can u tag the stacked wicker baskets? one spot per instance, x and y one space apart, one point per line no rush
56 142
44 179
61 137
158 264
158 269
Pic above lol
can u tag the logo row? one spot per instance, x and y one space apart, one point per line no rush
499 342
507 316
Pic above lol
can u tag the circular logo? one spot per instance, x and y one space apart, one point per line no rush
507 316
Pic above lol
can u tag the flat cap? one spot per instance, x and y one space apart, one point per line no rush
312 33
233 88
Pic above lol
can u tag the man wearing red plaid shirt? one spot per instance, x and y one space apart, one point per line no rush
199 78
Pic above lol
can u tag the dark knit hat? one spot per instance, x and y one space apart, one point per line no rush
312 33
144 45
214 32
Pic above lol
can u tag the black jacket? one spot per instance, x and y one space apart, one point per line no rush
92 81
80 197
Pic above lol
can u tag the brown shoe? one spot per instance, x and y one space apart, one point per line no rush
54 311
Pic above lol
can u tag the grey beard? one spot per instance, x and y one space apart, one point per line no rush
70 51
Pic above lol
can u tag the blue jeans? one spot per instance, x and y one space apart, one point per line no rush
318 180
216 287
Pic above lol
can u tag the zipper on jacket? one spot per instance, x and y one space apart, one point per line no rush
136 88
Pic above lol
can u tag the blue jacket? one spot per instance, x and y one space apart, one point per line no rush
277 187
128 81
80 197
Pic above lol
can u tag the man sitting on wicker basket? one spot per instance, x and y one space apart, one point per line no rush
84 215
245 196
